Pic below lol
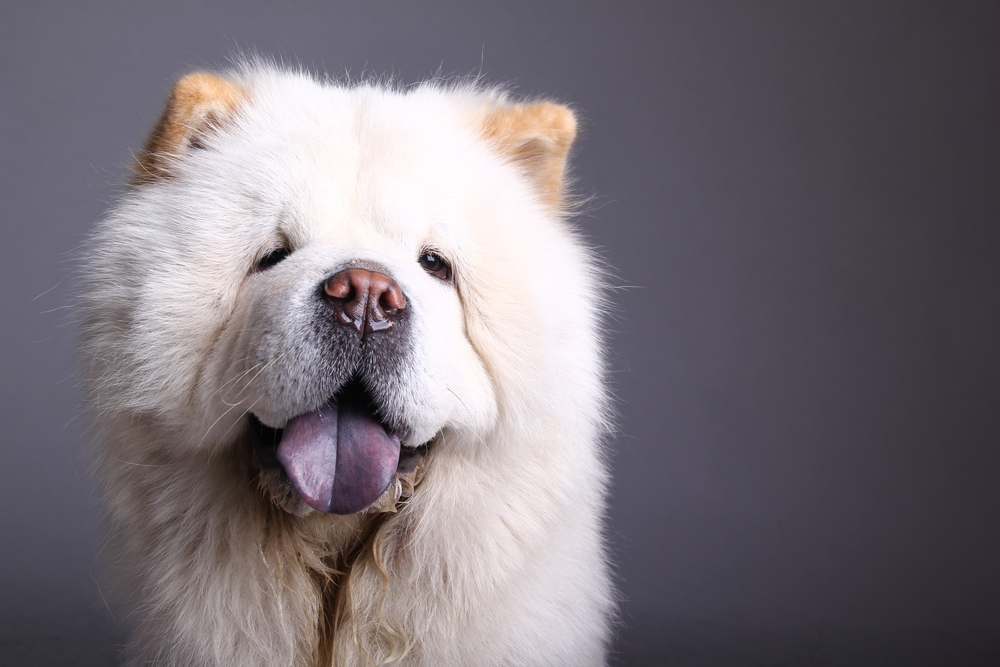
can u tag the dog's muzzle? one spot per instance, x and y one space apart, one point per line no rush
342 457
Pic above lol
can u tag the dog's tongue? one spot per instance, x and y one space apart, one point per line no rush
339 458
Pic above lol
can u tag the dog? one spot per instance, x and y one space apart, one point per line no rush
343 353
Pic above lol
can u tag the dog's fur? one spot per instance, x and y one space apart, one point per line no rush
490 552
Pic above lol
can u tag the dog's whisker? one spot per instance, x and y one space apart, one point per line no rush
225 412
142 465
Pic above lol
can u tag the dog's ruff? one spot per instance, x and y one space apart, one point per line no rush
217 310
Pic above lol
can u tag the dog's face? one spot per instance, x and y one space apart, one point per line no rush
317 268
350 303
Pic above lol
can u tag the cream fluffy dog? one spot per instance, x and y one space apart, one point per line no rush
343 356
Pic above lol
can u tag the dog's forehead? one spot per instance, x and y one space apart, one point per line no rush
364 158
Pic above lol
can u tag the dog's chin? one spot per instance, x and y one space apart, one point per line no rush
341 458
276 486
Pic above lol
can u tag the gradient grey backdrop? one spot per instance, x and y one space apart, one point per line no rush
802 203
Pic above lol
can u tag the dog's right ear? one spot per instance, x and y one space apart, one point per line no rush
198 103
537 137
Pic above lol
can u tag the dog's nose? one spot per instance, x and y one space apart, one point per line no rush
367 300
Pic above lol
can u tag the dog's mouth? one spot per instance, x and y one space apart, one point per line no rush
341 457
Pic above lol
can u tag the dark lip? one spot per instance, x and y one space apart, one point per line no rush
265 442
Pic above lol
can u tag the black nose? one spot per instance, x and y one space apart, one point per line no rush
367 300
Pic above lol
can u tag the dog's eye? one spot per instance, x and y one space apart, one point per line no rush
272 258
435 265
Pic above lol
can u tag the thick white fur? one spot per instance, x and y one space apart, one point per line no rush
498 557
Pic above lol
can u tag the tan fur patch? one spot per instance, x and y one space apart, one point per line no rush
198 102
538 136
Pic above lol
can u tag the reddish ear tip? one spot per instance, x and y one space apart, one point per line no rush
538 137
197 102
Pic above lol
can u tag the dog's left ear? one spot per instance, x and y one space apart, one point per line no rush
199 103
537 136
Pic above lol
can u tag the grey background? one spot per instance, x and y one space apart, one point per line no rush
801 201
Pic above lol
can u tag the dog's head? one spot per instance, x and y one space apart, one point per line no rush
349 270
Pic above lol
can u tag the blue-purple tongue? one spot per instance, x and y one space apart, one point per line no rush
339 458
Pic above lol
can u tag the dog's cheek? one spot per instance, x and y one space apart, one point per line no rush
221 393
475 409
167 351
459 376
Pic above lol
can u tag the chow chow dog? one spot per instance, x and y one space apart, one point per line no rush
343 353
